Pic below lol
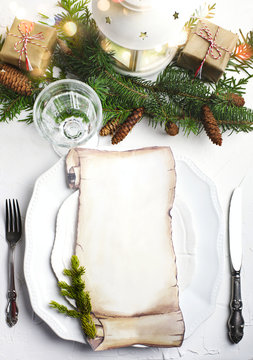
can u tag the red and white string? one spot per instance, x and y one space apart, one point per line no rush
206 34
26 38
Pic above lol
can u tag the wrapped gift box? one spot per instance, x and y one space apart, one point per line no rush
199 43
29 46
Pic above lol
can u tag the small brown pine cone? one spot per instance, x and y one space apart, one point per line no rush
15 80
123 129
210 125
171 128
237 100
64 47
110 127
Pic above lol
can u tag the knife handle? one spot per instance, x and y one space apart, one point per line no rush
236 322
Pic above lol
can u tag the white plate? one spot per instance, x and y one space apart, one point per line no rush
204 223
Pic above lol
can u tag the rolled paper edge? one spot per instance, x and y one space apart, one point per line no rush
161 330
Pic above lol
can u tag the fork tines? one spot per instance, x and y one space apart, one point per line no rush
13 217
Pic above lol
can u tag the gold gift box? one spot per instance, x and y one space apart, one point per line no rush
39 50
196 48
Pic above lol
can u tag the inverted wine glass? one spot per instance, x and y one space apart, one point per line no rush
67 113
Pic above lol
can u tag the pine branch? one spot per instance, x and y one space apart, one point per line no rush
119 113
125 87
12 104
99 85
88 58
230 85
233 118
64 310
88 326
50 75
76 290
73 7
180 82
74 10
190 125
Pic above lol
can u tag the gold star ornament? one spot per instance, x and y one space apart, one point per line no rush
176 15
108 20
143 35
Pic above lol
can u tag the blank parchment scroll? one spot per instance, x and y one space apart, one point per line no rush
124 241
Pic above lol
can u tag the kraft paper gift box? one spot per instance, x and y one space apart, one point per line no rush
29 46
197 46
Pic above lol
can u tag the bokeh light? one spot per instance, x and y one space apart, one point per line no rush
103 5
69 28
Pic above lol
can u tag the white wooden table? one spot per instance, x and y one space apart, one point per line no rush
24 155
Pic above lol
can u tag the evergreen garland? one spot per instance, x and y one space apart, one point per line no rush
175 97
76 291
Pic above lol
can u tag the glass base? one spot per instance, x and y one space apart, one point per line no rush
60 150
73 128
90 144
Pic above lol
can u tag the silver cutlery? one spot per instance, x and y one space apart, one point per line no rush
236 321
13 231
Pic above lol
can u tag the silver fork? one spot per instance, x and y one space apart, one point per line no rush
13 231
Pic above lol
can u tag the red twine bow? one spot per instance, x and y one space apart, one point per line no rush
206 34
25 39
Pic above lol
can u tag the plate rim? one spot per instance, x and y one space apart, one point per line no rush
219 246
220 235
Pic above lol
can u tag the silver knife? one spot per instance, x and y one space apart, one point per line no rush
235 322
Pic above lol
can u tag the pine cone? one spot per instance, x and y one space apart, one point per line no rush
171 128
237 100
123 130
210 125
15 80
64 47
110 127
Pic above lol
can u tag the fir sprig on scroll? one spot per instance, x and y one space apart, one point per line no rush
76 291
